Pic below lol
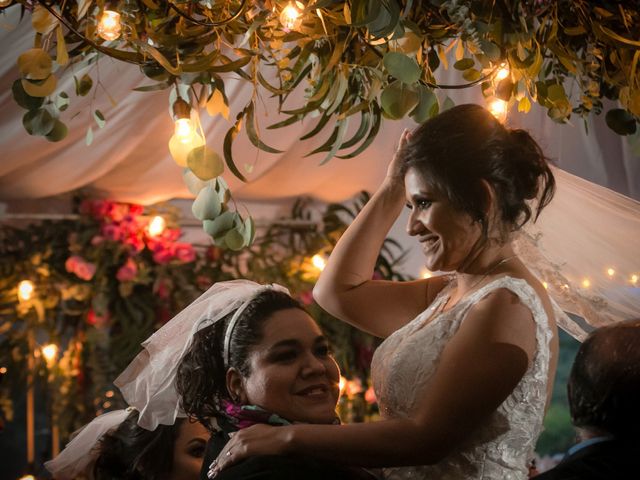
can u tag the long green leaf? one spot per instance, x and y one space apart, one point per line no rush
253 134
228 142
377 117
319 126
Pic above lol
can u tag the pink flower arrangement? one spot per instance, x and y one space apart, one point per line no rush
184 252
80 267
128 271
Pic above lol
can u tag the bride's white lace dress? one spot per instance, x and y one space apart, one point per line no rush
405 362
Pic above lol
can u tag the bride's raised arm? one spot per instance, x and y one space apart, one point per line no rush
345 288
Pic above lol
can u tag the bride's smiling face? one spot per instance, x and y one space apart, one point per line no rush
446 234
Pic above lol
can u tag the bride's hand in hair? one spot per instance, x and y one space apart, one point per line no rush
395 171
249 442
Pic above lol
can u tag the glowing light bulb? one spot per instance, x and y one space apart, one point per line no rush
318 261
426 273
586 283
156 226
503 72
498 109
634 279
3 370
27 477
50 352
184 130
25 290
109 26
611 272
5 3
290 18
109 394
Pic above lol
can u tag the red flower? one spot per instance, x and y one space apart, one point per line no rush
184 252
96 320
135 209
128 271
161 254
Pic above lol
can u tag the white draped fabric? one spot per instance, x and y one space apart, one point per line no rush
129 160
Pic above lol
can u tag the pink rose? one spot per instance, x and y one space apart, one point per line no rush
161 254
136 243
128 271
112 232
184 252
80 267
370 396
171 234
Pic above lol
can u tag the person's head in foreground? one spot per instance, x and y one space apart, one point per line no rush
604 384
266 362
470 181
127 451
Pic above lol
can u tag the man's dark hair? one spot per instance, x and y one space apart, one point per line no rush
604 384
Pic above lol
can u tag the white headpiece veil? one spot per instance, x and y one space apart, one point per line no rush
82 451
148 383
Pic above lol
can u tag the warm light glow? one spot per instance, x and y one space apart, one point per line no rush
156 226
634 279
545 285
106 404
109 27
503 72
343 383
50 352
5 3
184 130
498 109
3 370
290 18
426 273
586 283
318 261
611 272
27 477
25 290
109 394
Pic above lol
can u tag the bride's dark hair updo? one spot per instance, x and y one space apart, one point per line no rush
457 149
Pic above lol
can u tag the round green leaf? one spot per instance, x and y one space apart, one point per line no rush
205 163
471 75
464 64
621 121
58 132
35 64
427 105
193 183
38 122
207 205
234 239
249 231
398 99
402 67
220 225
23 99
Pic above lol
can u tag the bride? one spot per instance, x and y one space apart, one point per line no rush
467 366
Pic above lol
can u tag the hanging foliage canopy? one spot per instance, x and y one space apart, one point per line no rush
357 61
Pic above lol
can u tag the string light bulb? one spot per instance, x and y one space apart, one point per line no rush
611 272
50 352
498 109
26 290
503 72
586 283
109 27
634 279
156 226
3 370
319 261
185 137
291 15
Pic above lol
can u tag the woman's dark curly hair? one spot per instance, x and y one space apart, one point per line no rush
457 149
133 453
201 378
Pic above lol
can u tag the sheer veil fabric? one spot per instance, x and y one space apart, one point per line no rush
584 247
148 383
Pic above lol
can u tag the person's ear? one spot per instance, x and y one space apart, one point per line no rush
235 386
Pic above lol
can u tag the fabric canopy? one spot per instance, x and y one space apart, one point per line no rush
129 161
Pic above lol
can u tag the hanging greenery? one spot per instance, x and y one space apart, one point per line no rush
88 291
357 61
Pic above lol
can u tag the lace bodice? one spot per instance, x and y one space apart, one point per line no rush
405 362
